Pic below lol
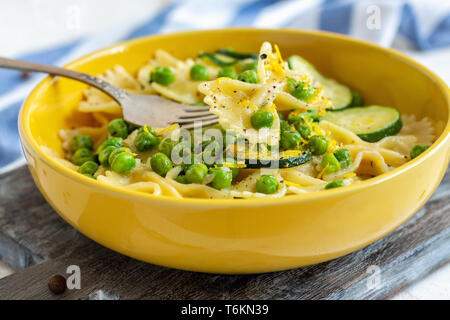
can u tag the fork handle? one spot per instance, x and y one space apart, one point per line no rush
117 94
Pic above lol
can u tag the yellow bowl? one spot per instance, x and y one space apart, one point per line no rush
243 236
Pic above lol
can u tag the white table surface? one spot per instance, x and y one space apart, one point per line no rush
27 25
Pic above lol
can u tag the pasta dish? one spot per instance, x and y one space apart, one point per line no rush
283 129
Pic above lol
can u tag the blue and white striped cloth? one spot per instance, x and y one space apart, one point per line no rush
424 23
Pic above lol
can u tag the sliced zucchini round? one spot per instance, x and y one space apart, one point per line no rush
237 55
357 100
340 95
371 123
219 59
287 159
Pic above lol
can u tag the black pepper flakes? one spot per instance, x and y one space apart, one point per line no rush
57 284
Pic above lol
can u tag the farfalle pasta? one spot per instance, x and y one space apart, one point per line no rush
283 129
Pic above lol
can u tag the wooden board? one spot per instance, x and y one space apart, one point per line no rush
37 244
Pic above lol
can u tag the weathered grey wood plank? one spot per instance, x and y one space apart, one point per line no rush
30 231
49 245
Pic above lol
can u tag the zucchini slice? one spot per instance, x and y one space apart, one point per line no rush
371 123
340 95
219 59
287 159
237 55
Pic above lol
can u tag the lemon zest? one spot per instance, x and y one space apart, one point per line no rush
169 128
349 175
332 146
292 184
320 175
234 165
278 53
293 153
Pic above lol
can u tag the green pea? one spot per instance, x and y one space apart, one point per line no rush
267 184
116 152
275 146
234 171
181 179
222 177
196 173
212 153
148 129
115 142
261 119
89 167
162 75
251 66
305 93
304 130
417 150
199 73
290 140
291 85
166 146
145 141
124 162
186 166
284 125
318 145
131 127
206 143
294 118
81 141
335 184
184 149
161 163
357 100
248 76
227 72
103 156
229 138
344 157
82 155
331 164
118 128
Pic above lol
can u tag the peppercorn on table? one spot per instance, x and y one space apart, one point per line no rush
38 244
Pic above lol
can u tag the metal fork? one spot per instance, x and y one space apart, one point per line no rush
138 109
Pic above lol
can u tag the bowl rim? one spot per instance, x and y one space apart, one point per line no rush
33 147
